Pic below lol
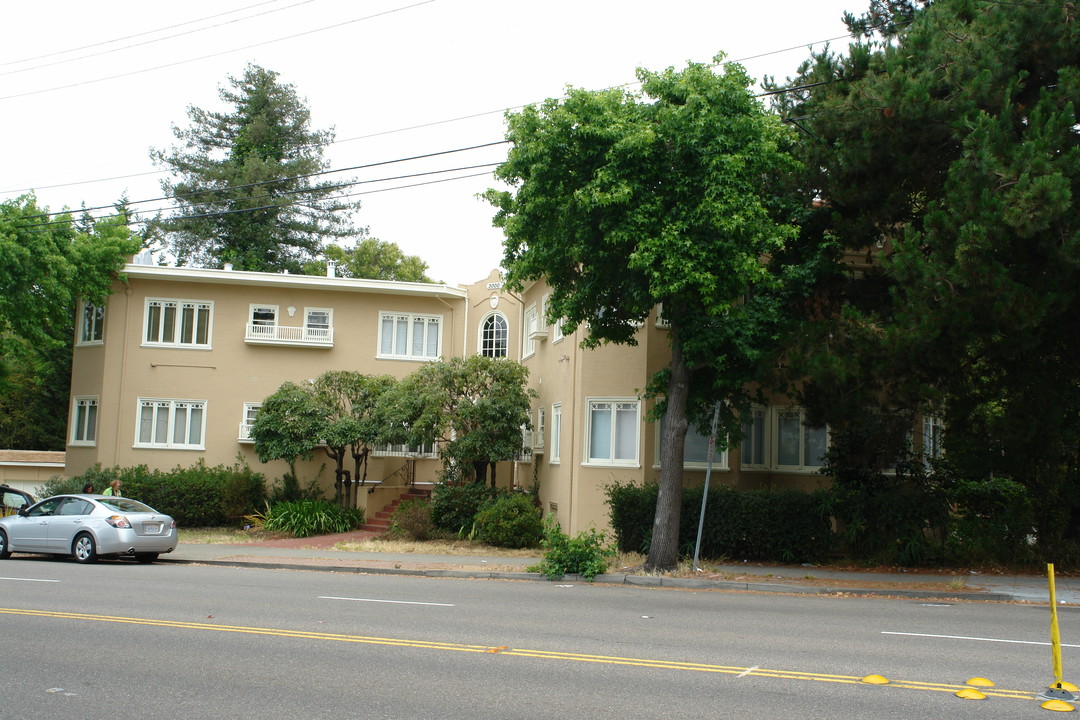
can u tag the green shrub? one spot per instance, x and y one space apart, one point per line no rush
587 554
412 519
305 518
777 526
454 506
511 521
196 496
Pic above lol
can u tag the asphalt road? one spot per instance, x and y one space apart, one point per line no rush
163 641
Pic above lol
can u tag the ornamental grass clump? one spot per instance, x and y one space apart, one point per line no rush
305 518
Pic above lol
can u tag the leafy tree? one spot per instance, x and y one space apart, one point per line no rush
47 263
474 407
287 428
243 182
947 137
350 424
623 201
372 259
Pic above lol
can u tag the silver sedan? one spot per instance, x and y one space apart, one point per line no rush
87 527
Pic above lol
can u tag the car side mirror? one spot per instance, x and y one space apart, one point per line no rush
21 512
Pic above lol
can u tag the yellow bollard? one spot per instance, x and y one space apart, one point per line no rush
1058 691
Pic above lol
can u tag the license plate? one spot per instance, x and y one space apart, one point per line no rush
152 528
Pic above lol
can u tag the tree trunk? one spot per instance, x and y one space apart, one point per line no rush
664 549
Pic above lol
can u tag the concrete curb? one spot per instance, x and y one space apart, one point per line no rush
615 579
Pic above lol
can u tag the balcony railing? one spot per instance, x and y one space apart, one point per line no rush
245 432
283 335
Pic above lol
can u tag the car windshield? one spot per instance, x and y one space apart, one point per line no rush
123 504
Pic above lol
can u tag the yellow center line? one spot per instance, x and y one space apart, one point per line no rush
520 652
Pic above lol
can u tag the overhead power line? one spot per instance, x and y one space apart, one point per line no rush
284 179
216 54
145 42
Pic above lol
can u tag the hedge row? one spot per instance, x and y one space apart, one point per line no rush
196 496
762 525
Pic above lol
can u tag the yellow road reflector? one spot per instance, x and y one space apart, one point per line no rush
1067 686
980 682
970 694
875 680
1057 706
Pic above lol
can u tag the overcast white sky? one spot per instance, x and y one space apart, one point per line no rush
394 78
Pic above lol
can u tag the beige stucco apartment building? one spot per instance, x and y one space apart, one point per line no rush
173 370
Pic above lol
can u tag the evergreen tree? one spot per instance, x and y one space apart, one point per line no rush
944 147
243 182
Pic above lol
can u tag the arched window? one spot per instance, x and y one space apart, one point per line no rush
494 334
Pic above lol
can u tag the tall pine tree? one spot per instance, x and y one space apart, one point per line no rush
243 183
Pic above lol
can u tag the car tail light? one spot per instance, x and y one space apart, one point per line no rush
118 521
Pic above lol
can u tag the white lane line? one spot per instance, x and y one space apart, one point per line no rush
29 579
747 671
980 639
392 602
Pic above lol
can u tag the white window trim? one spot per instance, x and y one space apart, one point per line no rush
98 325
744 463
76 403
412 317
480 337
720 457
555 453
169 444
329 316
246 421
589 461
774 426
179 323
931 449
528 341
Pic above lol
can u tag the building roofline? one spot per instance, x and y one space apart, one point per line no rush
310 282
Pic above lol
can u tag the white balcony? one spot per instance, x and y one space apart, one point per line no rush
245 433
258 334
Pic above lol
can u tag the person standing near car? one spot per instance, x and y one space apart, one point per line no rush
88 489
113 489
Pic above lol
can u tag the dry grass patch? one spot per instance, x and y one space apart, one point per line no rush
227 535
435 547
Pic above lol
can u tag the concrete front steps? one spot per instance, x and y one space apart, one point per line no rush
380 521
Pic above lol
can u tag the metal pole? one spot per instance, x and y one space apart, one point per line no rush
705 495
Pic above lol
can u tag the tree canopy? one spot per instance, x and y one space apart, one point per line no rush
47 264
474 407
624 201
244 182
372 259
944 146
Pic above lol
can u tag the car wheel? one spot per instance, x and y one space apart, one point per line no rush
84 548
146 558
5 553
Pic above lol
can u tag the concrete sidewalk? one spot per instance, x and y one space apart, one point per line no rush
806 579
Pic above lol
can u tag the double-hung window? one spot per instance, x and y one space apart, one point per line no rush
178 323
84 421
176 424
251 409
408 336
613 431
262 322
528 341
91 324
933 431
752 448
317 323
799 446
556 433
